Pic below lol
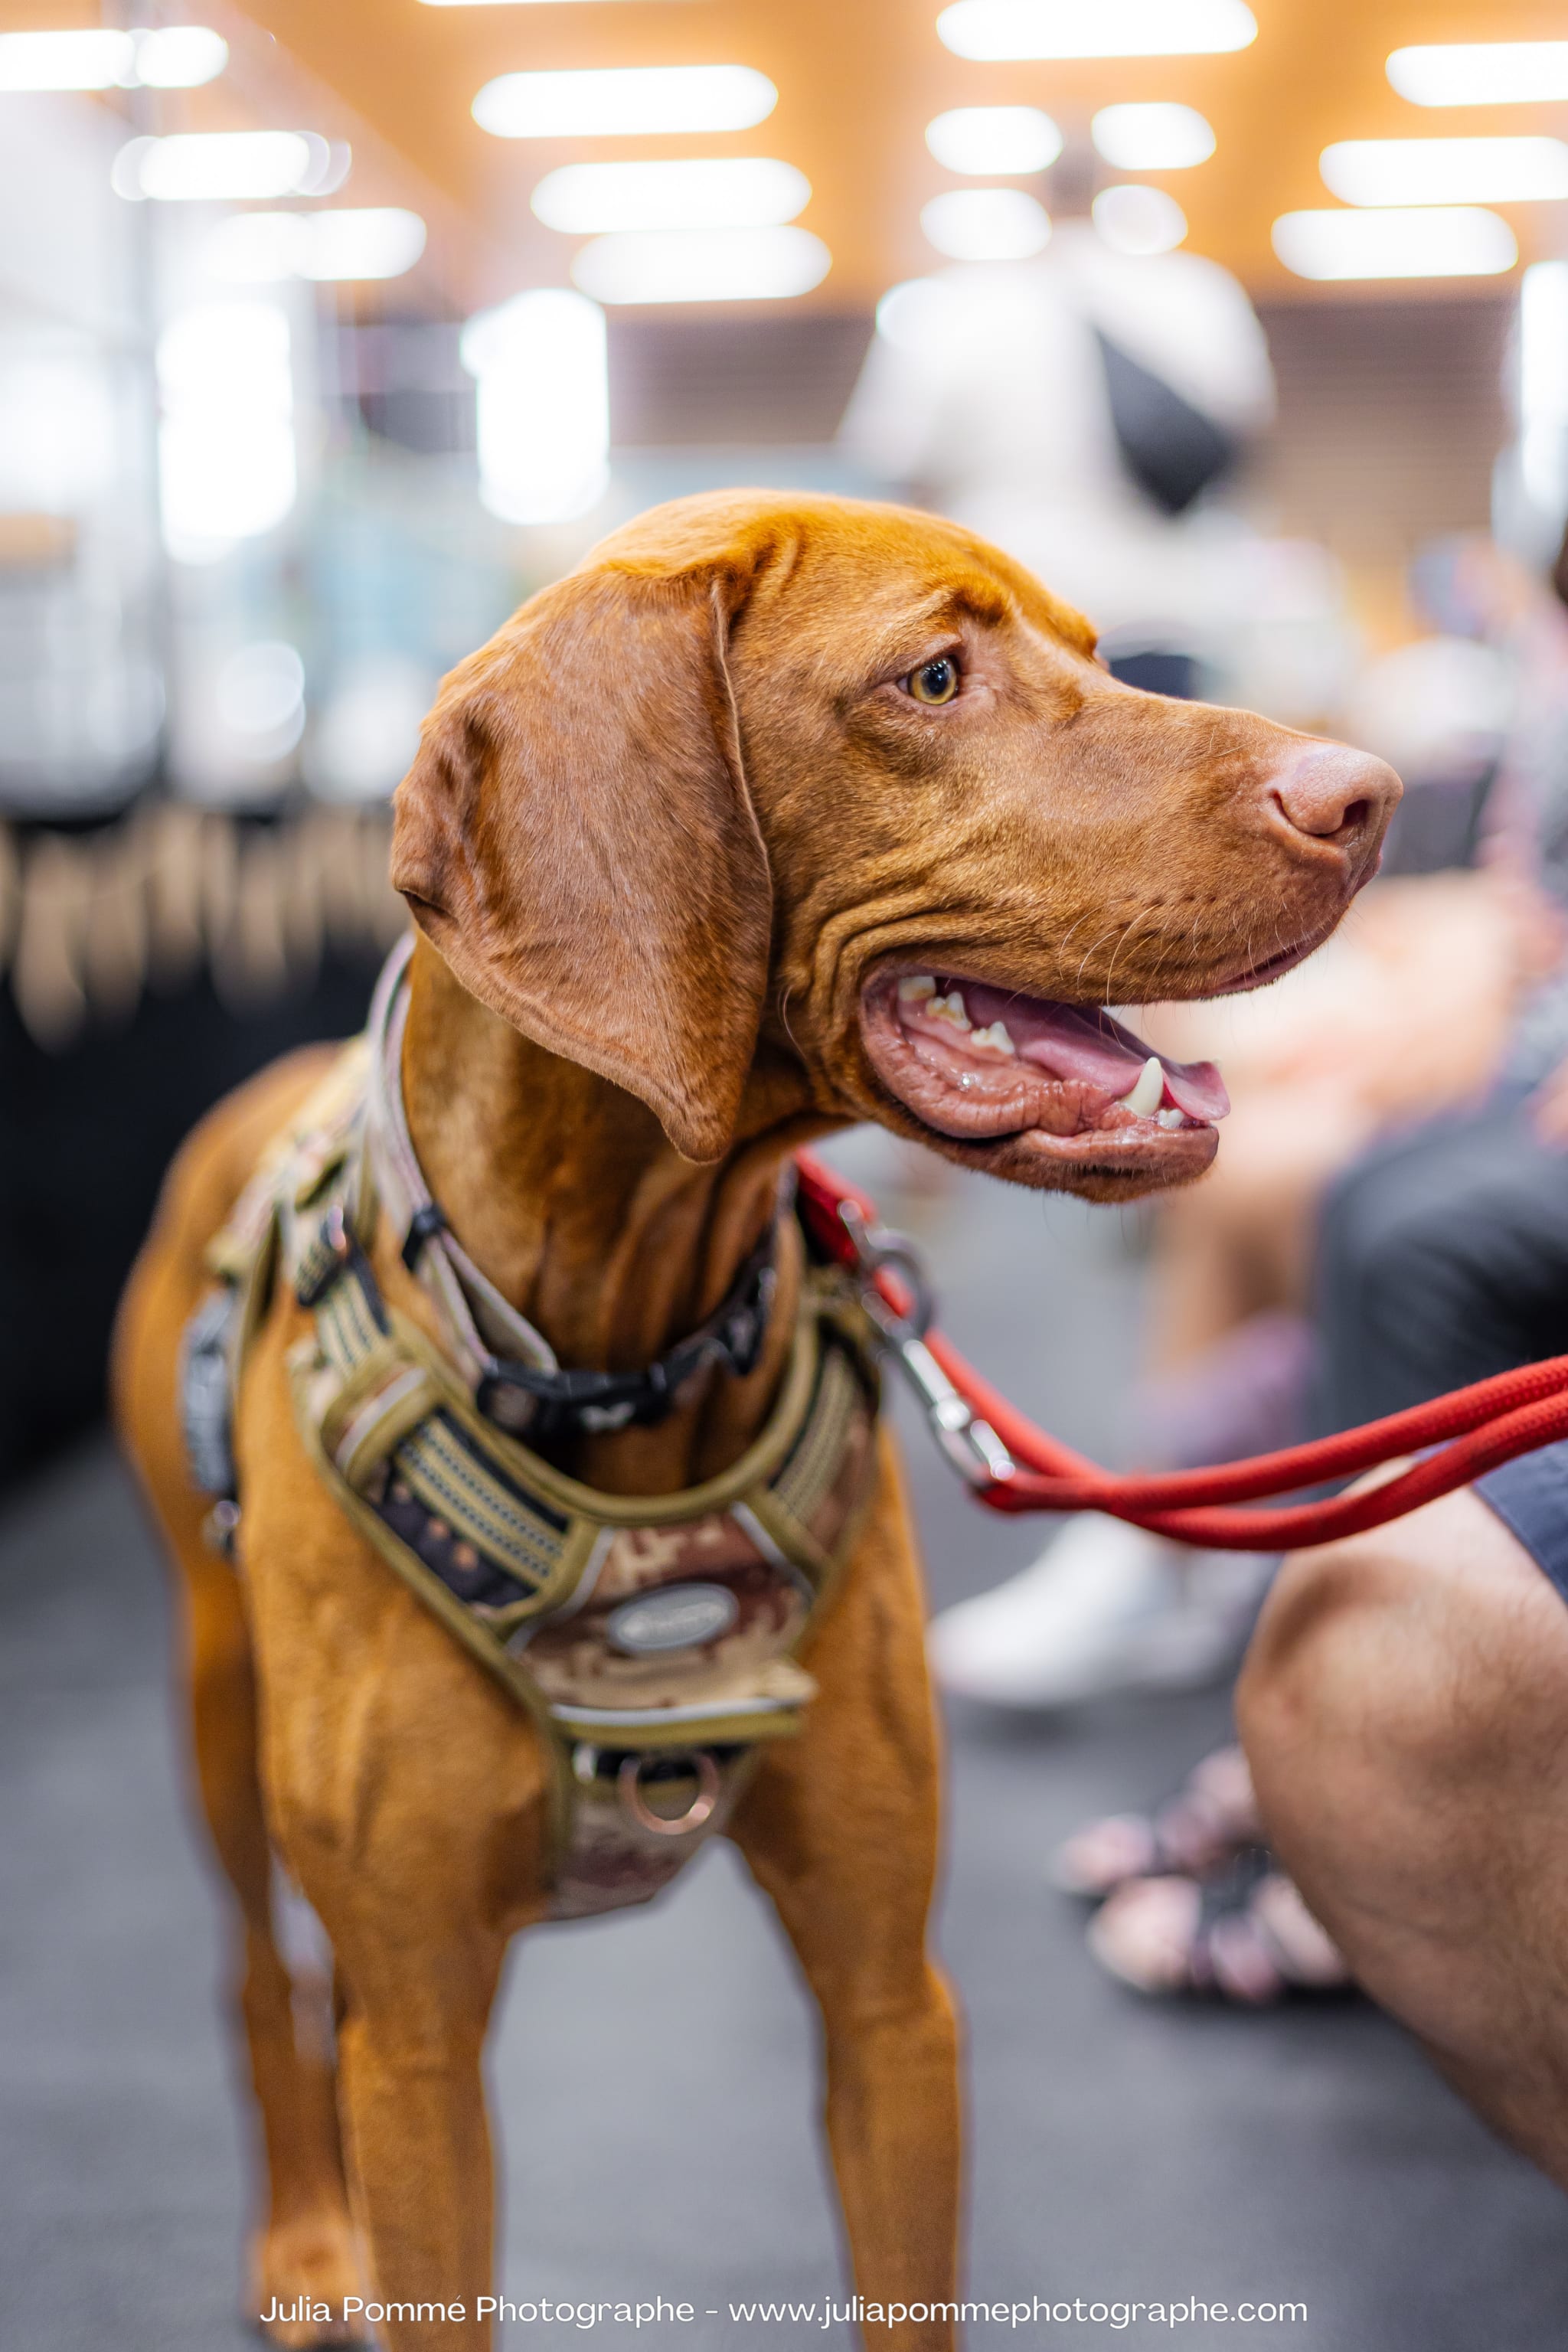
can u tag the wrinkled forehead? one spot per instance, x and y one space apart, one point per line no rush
891 585
843 571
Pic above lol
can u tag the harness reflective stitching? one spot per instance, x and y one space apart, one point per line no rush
800 1454
494 1516
806 1477
397 1406
393 1429
775 1488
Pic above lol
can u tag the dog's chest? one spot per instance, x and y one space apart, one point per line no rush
652 1639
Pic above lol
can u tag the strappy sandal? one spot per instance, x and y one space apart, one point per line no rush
1212 1816
1243 1935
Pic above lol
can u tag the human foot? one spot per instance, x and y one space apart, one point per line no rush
1244 1936
1211 1816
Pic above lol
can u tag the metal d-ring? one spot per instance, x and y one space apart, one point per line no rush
628 1780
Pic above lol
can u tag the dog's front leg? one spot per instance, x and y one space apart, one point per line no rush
418 1939
407 1793
840 1828
412 2096
418 1904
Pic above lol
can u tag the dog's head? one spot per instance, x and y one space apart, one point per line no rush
838 787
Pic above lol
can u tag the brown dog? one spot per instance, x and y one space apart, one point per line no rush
774 815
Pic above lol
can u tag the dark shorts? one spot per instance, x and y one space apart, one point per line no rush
1443 1259
1530 1497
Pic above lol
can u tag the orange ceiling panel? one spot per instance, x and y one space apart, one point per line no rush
857 81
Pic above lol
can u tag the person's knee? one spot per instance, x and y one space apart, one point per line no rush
1403 1711
1346 1712
1331 1678
1398 1675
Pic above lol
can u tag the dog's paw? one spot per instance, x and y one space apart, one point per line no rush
303 2273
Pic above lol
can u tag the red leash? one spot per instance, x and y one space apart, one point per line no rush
1014 1467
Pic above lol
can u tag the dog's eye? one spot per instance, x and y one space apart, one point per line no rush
934 681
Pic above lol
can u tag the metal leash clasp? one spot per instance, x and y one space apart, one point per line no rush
971 1445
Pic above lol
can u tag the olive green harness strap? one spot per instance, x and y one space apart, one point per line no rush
652 1639
539 1576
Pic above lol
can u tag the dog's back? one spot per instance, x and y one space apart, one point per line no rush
208 1173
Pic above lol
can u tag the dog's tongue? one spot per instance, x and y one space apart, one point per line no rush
1076 1041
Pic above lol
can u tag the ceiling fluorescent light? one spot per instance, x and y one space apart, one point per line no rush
986 225
1543 344
1158 137
176 57
258 248
229 166
988 139
1446 171
714 192
1544 387
1483 73
715 265
180 57
543 405
1137 220
365 241
226 460
1432 241
88 60
1107 28
622 101
262 249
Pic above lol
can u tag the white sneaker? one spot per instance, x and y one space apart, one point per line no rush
1108 1607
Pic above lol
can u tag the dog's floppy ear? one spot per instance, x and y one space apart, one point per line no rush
576 838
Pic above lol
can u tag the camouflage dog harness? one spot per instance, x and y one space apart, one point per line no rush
652 1639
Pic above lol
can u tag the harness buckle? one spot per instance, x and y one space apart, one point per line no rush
426 1222
970 1444
325 1259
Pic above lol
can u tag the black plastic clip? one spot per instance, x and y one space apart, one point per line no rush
423 1226
325 1259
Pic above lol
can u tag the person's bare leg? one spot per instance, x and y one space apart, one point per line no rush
1405 1708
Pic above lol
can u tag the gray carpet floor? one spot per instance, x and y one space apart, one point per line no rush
655 2076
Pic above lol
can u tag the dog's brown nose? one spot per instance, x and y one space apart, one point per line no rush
1334 795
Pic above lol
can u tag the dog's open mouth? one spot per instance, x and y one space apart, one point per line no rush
1045 1081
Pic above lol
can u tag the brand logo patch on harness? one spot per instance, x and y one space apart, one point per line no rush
677 1618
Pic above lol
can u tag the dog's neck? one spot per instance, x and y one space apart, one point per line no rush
565 1190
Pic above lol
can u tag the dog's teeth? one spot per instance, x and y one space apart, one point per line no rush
1172 1118
950 1007
916 988
995 1036
1143 1098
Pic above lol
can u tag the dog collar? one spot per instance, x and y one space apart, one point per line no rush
516 1379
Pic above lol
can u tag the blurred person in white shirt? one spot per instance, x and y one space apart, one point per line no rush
1076 409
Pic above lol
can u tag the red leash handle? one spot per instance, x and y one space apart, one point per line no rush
1475 1429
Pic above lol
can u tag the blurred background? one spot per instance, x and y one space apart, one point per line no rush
330 333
